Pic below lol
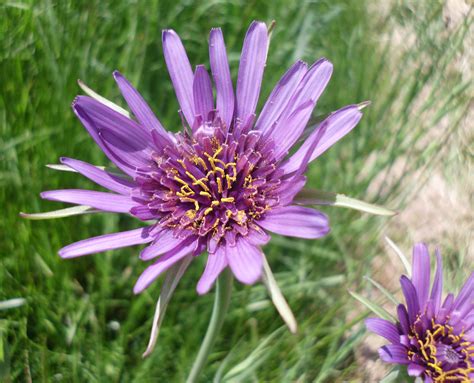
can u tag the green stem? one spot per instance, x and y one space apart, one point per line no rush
221 304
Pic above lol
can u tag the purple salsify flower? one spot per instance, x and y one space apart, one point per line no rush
434 338
224 181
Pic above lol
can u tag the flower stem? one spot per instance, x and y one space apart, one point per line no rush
221 304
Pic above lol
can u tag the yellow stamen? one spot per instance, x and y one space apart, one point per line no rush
201 162
202 184
205 194
176 178
191 213
187 199
229 181
218 169
227 199
219 185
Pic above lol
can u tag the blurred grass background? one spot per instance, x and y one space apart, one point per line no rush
80 321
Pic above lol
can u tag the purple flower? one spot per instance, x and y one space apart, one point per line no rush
434 338
226 179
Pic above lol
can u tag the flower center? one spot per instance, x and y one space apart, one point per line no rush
213 185
446 353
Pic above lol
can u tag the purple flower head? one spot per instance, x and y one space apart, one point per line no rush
434 338
226 179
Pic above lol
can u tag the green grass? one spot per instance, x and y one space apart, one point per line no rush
80 321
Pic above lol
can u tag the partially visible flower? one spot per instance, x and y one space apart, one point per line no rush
434 338
226 179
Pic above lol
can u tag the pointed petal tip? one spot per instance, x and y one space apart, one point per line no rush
137 290
202 290
117 74
167 32
363 104
215 30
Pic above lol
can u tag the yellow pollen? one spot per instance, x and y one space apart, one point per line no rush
181 162
229 181
215 203
191 213
207 211
436 367
241 216
227 199
218 169
205 194
201 162
219 185
190 175
202 184
187 199
186 191
176 178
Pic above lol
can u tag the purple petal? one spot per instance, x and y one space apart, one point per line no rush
394 353
314 82
305 161
164 242
437 288
100 177
296 221
280 96
421 273
290 188
298 119
128 148
252 65
107 242
403 318
162 264
257 236
466 295
383 328
291 124
411 298
106 118
180 72
202 92
415 369
338 124
221 74
103 201
140 108
245 261
448 302
215 264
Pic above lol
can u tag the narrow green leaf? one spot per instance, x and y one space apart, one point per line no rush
61 213
391 377
383 290
257 357
12 303
277 297
318 197
102 100
375 308
400 255
61 167
65 168
173 276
